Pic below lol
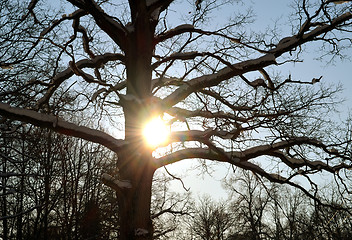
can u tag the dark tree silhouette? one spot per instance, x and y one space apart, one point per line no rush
48 186
126 62
212 220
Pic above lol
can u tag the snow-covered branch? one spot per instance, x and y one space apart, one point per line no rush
266 149
184 28
166 81
243 156
115 183
59 125
241 159
275 178
107 23
289 43
59 78
213 79
316 165
75 15
188 154
237 69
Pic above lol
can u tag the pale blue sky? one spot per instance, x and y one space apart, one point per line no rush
268 11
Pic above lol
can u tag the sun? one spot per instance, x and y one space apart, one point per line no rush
155 132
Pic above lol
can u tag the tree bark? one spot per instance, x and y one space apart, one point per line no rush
135 161
134 201
4 201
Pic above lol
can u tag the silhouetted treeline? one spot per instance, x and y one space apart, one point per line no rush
50 187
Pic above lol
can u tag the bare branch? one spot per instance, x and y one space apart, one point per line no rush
21 213
61 126
113 28
290 43
214 79
59 78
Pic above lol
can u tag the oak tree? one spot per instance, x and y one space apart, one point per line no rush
216 85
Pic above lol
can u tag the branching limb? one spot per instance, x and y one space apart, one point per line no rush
188 28
180 114
189 56
61 126
109 24
241 159
198 83
286 45
21 213
59 78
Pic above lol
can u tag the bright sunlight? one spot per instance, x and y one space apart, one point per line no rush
156 132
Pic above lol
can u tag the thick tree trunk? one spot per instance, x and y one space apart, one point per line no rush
136 170
134 200
135 162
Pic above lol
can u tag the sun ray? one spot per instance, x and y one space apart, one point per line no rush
155 132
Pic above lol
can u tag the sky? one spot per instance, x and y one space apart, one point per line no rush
267 11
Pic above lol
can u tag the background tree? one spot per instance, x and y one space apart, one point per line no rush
51 187
169 209
257 209
211 220
249 206
134 60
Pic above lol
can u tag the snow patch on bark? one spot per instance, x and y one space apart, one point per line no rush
140 232
119 183
181 28
341 2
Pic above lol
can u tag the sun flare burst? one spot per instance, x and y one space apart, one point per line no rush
156 132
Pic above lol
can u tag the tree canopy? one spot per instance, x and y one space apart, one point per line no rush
214 81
